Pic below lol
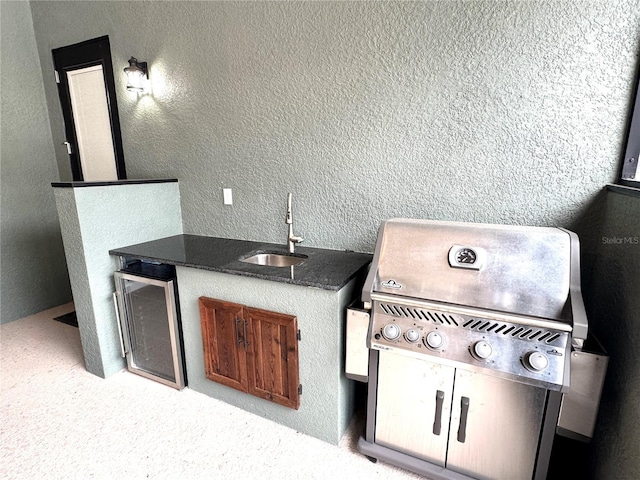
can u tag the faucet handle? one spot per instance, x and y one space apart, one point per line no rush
291 238
288 218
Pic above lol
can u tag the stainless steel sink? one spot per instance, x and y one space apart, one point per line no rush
274 259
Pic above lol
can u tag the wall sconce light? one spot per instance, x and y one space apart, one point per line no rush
136 73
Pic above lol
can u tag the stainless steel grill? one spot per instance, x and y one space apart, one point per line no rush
470 333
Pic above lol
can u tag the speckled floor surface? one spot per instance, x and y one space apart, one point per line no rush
57 421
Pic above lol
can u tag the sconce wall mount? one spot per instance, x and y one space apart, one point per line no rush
136 74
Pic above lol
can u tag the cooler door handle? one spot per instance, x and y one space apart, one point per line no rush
464 412
437 421
116 304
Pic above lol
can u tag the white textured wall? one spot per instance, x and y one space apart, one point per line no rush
506 112
34 275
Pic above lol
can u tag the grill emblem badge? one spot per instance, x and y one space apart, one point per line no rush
467 256
391 284
462 256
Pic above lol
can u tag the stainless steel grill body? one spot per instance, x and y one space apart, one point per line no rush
470 336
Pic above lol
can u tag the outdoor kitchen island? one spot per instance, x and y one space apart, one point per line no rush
316 292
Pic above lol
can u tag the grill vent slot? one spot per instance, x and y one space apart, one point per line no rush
552 337
516 331
475 324
419 314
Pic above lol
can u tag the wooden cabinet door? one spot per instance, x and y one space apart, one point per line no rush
223 338
272 356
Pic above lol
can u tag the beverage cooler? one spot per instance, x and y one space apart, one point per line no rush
148 316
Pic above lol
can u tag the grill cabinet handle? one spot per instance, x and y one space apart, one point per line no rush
238 341
437 421
464 411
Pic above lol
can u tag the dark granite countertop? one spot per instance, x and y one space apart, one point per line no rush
107 183
324 268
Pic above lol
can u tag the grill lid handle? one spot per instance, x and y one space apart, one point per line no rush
578 312
373 270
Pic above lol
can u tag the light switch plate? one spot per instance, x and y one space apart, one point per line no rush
227 196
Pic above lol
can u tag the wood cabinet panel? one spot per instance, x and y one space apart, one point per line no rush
251 350
223 342
272 356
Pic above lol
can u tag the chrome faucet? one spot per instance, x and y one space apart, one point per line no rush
291 238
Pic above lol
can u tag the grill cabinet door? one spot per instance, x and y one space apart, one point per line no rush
495 427
413 405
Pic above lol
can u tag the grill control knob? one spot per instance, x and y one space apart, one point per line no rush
435 340
391 331
482 350
536 361
412 335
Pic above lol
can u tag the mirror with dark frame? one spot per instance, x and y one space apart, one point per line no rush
630 173
84 74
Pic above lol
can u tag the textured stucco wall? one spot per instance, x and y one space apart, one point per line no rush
34 273
326 405
498 112
95 220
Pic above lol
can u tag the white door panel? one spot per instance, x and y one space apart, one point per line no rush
93 126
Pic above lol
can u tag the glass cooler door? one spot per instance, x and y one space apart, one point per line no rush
149 325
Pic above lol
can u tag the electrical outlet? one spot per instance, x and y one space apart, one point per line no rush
227 196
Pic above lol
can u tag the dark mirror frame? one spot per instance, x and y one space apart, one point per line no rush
629 172
96 51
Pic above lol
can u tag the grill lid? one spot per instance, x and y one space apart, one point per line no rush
531 271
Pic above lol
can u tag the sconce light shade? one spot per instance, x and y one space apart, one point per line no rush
136 74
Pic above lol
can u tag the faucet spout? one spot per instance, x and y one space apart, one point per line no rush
291 238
